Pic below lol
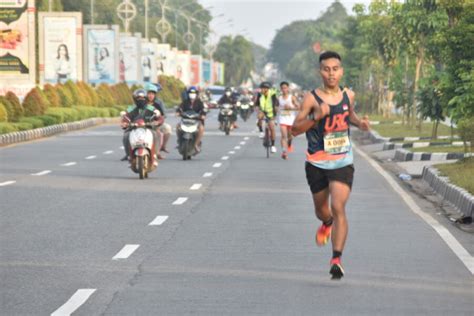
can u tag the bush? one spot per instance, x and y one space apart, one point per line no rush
33 104
7 128
3 113
86 95
22 126
34 121
47 120
58 116
466 131
52 95
65 96
17 107
75 92
105 97
172 89
65 114
8 107
125 94
45 104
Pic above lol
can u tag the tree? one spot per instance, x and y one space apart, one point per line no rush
237 55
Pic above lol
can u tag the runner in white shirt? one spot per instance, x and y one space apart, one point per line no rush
289 107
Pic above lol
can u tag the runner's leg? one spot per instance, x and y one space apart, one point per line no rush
339 195
284 137
321 205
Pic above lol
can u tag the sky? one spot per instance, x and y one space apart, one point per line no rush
260 19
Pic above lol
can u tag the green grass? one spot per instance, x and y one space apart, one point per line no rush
438 149
380 118
399 130
460 173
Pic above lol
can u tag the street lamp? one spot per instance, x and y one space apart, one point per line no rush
176 12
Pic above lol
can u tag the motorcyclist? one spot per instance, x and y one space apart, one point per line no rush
228 98
164 130
141 110
192 102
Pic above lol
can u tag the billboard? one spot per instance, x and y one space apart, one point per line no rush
130 62
60 36
101 54
17 46
172 62
148 63
206 72
183 67
163 60
196 68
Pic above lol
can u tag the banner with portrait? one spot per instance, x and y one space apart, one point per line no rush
148 63
183 67
130 60
163 59
60 46
101 54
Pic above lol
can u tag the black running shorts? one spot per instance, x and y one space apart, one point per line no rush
318 178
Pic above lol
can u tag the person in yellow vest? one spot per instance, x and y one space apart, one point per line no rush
267 103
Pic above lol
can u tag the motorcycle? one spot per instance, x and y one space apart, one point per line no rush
246 109
226 113
188 130
142 157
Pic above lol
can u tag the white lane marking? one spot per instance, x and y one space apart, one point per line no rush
7 183
126 252
42 173
231 152
207 175
448 238
74 302
217 165
237 147
246 138
225 158
242 143
195 186
108 152
91 157
69 164
180 201
159 220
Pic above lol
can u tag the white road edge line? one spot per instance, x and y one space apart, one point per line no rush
217 165
76 300
180 201
195 186
69 164
42 173
159 220
126 252
7 183
91 157
225 158
207 175
108 152
445 234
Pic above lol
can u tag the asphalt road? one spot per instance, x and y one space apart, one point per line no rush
227 233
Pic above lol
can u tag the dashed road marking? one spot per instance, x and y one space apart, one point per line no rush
126 252
231 152
159 220
246 138
237 147
91 157
207 175
217 165
7 183
242 143
108 152
180 201
74 302
42 173
225 158
195 187
69 164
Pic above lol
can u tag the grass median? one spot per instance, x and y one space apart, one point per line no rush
399 130
460 173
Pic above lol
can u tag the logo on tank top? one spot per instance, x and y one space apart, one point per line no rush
336 122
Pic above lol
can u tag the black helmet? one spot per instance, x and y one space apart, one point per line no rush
266 85
228 89
139 96
192 90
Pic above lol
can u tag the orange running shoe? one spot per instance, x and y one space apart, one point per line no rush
290 149
323 234
336 271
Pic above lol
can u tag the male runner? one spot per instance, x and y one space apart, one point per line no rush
288 108
325 117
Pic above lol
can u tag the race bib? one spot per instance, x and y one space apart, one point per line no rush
337 143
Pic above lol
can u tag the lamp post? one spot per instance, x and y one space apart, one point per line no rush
92 11
176 12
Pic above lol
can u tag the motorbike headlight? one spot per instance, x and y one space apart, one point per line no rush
251 103
189 128
239 104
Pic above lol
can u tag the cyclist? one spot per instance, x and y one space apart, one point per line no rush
267 102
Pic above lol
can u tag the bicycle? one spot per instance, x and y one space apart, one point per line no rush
267 142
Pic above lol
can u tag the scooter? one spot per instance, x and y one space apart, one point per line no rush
188 130
226 113
246 109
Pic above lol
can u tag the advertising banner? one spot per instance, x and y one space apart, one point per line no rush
60 46
172 63
149 56
183 67
206 72
196 68
101 54
17 46
163 57
130 62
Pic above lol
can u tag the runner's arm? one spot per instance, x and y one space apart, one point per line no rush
302 122
363 123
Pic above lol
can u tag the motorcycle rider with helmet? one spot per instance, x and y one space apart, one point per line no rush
192 102
141 110
164 130
229 98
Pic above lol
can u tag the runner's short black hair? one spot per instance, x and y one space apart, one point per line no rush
329 54
284 83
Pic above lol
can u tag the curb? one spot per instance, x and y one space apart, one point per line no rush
391 146
23 136
458 197
405 155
